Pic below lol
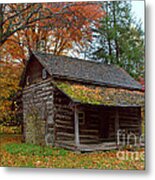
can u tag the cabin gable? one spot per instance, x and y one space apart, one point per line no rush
35 72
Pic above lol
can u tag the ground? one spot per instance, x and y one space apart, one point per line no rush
14 153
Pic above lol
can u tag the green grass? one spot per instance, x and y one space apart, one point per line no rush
31 149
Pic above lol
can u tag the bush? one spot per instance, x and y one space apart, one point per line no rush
10 129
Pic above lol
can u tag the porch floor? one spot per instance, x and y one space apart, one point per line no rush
87 147
97 147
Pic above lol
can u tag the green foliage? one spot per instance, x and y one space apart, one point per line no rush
31 149
120 39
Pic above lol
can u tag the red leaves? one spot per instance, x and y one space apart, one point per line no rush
72 24
142 82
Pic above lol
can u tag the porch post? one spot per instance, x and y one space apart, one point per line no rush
76 123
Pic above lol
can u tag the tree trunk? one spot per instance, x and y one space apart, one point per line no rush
115 39
108 39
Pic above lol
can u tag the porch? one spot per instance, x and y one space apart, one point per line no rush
94 128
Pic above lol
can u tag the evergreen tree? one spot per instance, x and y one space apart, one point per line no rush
119 40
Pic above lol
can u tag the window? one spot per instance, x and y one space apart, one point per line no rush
81 116
44 74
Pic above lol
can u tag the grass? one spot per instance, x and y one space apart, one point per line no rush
13 153
30 149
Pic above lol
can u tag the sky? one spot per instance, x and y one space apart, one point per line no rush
139 11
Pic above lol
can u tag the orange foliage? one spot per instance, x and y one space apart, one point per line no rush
66 24
9 78
73 25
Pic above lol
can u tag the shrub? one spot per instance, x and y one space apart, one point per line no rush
10 129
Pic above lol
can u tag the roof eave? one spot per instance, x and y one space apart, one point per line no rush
96 83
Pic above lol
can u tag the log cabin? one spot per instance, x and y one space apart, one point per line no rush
78 104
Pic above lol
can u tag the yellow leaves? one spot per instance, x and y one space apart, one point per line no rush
12 50
9 80
89 94
101 95
38 163
10 129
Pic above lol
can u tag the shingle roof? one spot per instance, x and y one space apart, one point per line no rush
87 71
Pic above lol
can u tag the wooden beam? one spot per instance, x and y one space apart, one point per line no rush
140 121
116 122
76 123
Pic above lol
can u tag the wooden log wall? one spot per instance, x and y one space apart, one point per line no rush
38 112
89 130
64 119
130 120
99 122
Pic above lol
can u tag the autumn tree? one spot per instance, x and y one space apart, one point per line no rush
64 23
78 28
16 17
9 80
48 27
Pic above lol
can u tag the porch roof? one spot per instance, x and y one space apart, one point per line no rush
98 95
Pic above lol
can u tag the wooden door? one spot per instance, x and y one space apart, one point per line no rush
104 125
